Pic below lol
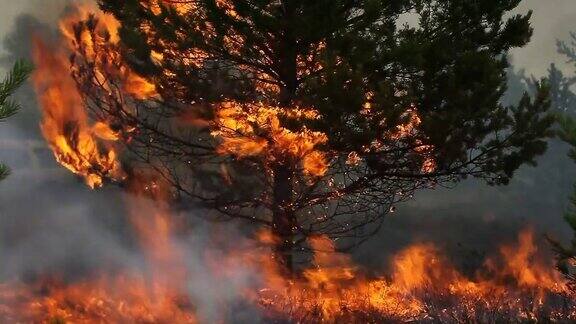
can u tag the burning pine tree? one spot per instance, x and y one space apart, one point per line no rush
306 117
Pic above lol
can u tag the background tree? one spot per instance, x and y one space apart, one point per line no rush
15 78
561 86
564 104
311 117
567 254
554 168
562 98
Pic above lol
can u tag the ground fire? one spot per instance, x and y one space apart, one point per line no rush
421 284
154 295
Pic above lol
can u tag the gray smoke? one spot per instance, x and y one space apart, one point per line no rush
51 223
48 220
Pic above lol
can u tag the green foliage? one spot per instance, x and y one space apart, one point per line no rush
562 98
456 82
4 172
15 78
563 103
567 132
450 65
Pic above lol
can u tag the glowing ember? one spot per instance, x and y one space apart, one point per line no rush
182 7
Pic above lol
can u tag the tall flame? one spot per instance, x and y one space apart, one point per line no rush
107 60
83 147
65 124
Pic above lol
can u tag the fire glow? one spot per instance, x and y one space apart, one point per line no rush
421 285
65 124
421 279
237 129
152 296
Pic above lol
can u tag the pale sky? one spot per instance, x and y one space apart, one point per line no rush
552 19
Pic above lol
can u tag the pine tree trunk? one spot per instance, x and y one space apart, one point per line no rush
283 216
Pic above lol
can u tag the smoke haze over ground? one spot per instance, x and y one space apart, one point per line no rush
48 219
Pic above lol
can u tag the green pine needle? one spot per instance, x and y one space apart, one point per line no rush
4 172
15 78
8 109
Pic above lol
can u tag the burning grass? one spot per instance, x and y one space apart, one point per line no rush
421 286
118 299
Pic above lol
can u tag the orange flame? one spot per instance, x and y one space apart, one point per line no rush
254 130
65 124
154 296
105 34
334 288
85 149
122 299
154 225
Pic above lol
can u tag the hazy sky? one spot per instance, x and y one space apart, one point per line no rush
552 20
